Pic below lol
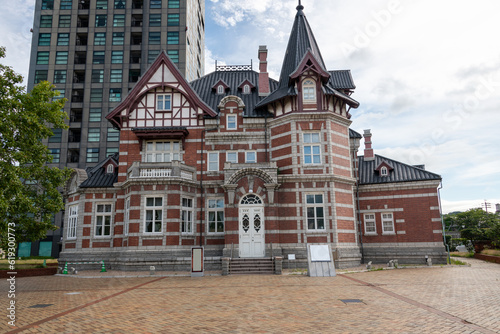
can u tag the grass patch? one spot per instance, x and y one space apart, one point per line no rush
462 254
457 262
494 252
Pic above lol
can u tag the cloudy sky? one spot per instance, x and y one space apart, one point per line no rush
427 73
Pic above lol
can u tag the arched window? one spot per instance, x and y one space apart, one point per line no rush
309 91
220 89
383 171
251 199
246 89
110 169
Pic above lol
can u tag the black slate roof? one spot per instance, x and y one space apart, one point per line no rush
401 172
301 40
341 79
97 176
354 134
233 79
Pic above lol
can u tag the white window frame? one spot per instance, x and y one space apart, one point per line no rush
220 89
72 221
126 216
387 222
246 89
369 219
110 169
234 161
309 91
102 222
159 151
231 125
384 171
213 161
164 102
311 148
187 215
215 207
250 161
154 208
314 215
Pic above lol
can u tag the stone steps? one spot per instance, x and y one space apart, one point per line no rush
260 266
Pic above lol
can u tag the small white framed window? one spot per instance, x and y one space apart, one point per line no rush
153 217
251 157
126 217
231 122
312 148
162 151
387 223
315 212
370 227
220 89
103 220
309 91
72 221
163 102
110 169
246 89
383 171
187 215
215 215
232 157
213 161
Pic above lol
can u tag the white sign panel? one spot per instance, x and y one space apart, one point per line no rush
320 253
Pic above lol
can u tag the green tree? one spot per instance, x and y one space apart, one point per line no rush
29 195
476 225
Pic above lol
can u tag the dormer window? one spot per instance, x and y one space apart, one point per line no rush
246 89
384 171
164 102
309 91
220 89
110 169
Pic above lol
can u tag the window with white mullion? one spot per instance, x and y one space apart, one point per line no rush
370 227
215 216
213 161
162 151
153 218
387 223
163 102
312 148
315 212
187 215
72 221
103 220
126 217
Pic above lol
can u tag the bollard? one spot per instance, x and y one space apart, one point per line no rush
152 270
103 268
369 265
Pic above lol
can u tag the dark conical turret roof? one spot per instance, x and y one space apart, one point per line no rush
301 40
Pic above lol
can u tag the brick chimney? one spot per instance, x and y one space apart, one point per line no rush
368 155
264 89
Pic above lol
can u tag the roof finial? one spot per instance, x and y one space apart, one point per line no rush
300 7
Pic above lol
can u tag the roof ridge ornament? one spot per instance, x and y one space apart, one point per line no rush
300 7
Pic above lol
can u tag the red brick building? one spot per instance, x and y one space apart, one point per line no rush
247 166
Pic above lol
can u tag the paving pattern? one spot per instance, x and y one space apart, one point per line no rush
458 299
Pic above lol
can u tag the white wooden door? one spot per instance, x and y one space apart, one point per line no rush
252 242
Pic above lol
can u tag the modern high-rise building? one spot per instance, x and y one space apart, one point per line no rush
94 51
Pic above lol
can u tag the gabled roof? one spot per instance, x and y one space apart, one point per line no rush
98 176
401 172
143 86
233 79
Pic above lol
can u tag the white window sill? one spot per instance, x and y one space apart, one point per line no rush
389 233
371 234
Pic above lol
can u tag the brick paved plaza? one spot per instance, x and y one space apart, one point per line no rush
425 300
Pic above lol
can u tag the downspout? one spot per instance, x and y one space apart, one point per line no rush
202 189
442 221
265 136
358 208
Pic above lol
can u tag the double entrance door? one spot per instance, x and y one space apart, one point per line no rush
251 221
